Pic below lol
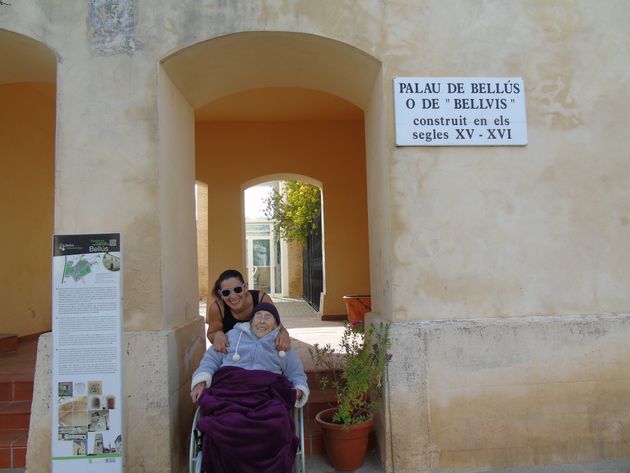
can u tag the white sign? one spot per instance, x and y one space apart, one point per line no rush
86 407
460 111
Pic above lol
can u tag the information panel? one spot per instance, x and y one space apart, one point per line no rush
460 111
86 406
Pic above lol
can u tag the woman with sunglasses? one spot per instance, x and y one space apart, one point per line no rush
234 303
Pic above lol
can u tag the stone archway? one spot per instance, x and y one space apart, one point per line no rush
235 69
27 146
239 64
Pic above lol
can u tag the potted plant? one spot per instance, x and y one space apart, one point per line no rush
353 372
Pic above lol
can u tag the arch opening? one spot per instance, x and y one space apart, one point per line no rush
282 267
222 66
280 103
27 146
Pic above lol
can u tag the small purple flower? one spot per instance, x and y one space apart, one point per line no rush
355 324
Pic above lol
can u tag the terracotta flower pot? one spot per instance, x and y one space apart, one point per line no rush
345 446
357 307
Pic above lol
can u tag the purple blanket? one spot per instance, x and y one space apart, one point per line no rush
245 418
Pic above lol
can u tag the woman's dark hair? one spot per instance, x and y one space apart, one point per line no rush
227 274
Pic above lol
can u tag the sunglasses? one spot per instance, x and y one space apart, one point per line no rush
235 290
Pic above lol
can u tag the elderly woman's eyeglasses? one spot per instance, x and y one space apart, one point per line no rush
235 290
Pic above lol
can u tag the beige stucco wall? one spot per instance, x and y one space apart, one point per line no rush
505 270
177 207
504 233
27 144
541 229
202 239
522 392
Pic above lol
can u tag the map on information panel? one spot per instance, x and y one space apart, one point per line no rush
78 267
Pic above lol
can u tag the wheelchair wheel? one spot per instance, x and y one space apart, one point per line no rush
300 460
194 453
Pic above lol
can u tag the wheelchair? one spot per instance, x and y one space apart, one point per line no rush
194 453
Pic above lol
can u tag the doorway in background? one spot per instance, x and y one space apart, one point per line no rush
264 259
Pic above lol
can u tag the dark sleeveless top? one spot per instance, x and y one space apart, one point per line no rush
229 320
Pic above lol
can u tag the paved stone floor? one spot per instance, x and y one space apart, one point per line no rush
319 464
306 328
314 464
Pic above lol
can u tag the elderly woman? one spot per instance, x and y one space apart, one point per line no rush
245 413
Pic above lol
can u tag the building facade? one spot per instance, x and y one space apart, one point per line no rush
504 271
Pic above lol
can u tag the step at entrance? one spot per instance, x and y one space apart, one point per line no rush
17 370
8 342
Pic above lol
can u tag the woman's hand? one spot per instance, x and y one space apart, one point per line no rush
220 342
197 390
283 340
298 394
